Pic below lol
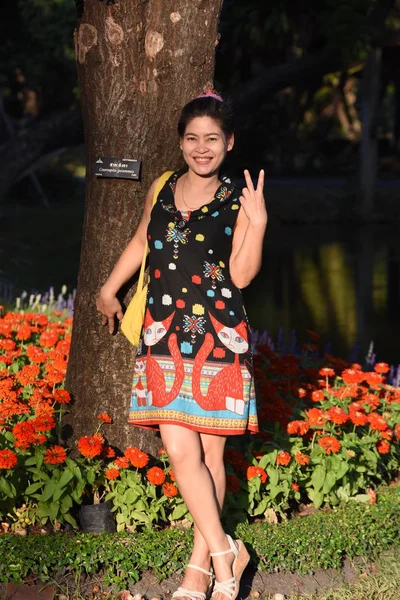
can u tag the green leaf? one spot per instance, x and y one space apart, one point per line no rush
7 488
65 478
318 477
70 519
316 497
179 511
273 475
53 510
34 487
48 491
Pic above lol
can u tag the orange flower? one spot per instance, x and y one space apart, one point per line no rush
376 422
62 396
55 455
397 431
352 376
170 490
383 447
105 418
7 345
381 368
156 476
301 459
43 423
256 472
48 339
27 374
373 379
162 451
136 457
297 427
36 354
295 487
91 445
357 416
337 415
24 332
111 473
283 458
317 396
316 417
327 372
232 484
122 462
370 400
24 432
171 475
330 444
8 459
301 392
108 452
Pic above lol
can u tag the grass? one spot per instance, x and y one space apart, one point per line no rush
377 581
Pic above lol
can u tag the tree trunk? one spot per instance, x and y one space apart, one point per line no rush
138 64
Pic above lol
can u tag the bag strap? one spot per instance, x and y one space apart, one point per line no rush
160 184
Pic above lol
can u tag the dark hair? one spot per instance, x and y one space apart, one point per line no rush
207 106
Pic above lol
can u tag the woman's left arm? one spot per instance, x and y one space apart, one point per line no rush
245 259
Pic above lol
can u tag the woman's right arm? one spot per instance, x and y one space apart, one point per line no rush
128 263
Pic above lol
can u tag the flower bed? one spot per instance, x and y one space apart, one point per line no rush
329 433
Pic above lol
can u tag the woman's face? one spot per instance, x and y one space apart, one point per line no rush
204 146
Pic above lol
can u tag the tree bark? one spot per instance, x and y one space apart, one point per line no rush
138 64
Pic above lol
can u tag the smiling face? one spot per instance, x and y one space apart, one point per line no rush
204 146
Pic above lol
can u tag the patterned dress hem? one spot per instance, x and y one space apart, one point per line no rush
155 426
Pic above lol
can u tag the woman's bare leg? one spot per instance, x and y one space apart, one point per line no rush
185 452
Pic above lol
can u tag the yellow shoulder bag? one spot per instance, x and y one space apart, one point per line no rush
132 322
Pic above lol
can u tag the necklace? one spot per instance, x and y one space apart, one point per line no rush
193 207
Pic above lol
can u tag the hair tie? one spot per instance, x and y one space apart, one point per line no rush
210 93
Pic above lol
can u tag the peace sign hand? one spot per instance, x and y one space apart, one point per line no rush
253 201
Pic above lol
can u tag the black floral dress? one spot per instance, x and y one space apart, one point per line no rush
194 364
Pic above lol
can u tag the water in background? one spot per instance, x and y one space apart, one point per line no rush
342 282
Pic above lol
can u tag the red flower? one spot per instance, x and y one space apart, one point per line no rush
381 368
105 418
48 339
170 490
383 447
297 427
8 459
295 487
256 472
301 459
91 445
108 452
122 462
357 417
327 372
283 458
373 379
337 415
330 444
352 376
55 455
62 396
156 476
301 392
316 417
24 332
111 473
376 422
397 430
136 457
317 396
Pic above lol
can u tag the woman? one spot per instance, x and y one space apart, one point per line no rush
193 375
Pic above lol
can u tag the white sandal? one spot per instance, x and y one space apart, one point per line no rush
194 594
230 587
